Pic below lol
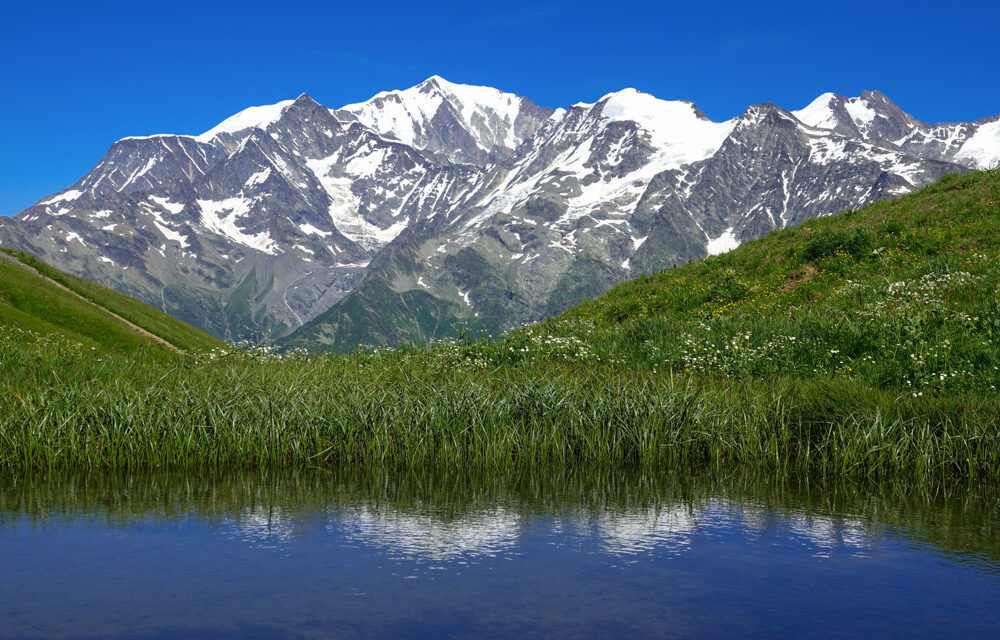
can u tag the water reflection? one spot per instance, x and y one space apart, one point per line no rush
668 529
413 535
442 516
490 532
425 536
828 533
431 552
265 527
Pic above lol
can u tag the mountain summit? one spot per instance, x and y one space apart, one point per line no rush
461 123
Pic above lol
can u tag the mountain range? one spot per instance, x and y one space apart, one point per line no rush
445 207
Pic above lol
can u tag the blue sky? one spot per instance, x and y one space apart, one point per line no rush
77 76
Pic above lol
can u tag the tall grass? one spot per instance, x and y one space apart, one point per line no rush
406 409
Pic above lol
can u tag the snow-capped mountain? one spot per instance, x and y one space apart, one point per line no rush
459 123
874 118
603 192
449 204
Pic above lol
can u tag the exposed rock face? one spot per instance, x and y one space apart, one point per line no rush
447 204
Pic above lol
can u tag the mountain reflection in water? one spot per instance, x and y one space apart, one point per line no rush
318 552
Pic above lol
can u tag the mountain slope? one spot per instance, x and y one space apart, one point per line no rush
899 295
39 303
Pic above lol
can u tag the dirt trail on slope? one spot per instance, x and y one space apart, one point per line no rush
134 327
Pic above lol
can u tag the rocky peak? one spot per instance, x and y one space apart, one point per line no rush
872 117
461 123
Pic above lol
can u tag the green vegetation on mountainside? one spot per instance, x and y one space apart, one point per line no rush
34 305
900 295
861 344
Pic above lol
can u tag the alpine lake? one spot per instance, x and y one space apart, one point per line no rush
554 553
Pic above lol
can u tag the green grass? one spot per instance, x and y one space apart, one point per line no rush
51 322
864 344
177 333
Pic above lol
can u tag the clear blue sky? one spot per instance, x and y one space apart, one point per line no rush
76 76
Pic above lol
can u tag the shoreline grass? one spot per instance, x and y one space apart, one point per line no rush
337 410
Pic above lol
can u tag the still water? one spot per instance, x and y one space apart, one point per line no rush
432 554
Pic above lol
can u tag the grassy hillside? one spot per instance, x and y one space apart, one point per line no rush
901 295
80 315
861 344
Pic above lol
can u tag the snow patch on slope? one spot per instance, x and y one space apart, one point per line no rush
250 118
220 217
861 113
66 196
258 178
172 207
365 165
724 243
170 234
818 113
314 231
676 129
982 150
